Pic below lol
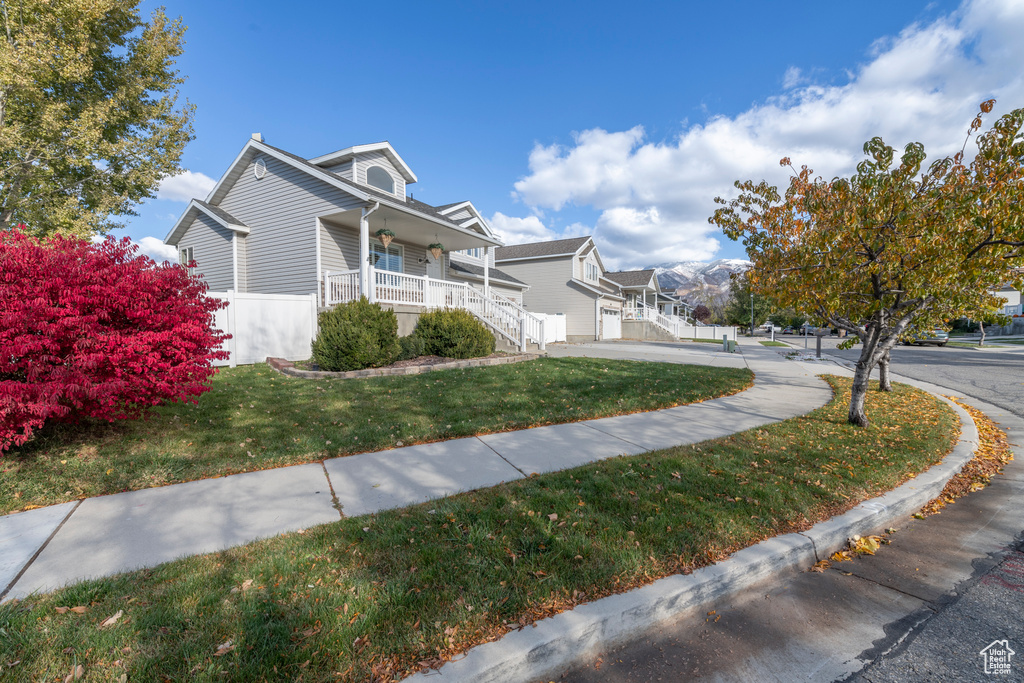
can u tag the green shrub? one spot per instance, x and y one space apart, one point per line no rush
454 333
356 335
412 347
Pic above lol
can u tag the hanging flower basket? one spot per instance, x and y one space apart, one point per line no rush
385 236
436 249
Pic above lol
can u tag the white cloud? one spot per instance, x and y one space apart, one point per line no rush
185 186
152 247
792 78
654 198
155 248
514 230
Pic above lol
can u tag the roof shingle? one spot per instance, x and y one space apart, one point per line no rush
631 278
537 249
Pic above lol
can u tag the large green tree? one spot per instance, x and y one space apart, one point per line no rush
890 249
89 115
743 301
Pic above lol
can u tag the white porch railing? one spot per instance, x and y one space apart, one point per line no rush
675 325
533 327
1013 310
503 316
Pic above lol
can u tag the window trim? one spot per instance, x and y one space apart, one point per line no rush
185 256
383 170
401 254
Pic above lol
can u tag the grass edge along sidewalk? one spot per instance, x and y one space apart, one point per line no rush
379 596
256 419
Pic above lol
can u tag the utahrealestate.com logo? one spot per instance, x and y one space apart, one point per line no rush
997 657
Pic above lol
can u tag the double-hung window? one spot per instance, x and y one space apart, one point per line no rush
185 256
590 271
386 259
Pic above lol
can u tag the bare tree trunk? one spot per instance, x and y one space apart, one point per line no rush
859 392
981 328
884 382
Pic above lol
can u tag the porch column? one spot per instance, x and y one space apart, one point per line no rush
364 253
487 280
645 298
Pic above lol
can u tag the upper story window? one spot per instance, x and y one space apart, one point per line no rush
476 252
381 179
590 271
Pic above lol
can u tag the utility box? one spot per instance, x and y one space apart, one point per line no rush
728 345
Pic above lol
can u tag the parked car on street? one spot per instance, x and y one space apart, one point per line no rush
936 337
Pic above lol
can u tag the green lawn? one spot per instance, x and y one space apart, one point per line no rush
372 598
773 343
255 418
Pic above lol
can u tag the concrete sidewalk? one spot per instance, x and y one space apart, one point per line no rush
43 549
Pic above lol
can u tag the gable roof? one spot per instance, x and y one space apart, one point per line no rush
367 194
566 247
335 158
632 278
477 273
373 193
197 207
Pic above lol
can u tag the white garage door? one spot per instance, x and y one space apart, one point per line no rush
611 324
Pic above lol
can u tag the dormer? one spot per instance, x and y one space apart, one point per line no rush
590 268
376 166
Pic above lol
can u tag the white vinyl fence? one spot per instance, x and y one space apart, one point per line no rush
266 325
554 326
707 332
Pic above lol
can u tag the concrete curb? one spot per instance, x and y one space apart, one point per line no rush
555 643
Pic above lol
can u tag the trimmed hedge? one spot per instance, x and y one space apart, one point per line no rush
454 333
356 335
412 347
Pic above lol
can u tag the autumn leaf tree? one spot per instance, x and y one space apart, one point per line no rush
89 115
742 300
891 249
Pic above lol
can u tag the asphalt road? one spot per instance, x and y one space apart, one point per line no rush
935 607
991 375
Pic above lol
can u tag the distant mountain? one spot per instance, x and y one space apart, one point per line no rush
682 278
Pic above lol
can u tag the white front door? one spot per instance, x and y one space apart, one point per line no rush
434 267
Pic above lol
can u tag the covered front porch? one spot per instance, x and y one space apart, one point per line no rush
392 254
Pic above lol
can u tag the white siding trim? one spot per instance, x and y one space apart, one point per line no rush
234 258
319 264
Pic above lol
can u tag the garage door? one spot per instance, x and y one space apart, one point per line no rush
611 324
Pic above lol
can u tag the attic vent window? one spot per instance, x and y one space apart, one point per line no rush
259 169
381 179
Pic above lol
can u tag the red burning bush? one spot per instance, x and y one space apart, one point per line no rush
98 331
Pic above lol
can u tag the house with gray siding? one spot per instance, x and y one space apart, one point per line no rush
567 277
342 225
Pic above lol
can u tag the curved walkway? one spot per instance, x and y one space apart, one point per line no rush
556 643
43 549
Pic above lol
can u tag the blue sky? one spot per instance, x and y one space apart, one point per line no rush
622 120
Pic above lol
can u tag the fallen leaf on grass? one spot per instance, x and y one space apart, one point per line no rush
110 621
77 610
224 648
246 585
76 674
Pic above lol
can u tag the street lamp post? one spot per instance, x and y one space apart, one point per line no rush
751 314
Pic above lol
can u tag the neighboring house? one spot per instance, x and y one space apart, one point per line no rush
640 287
672 304
277 223
567 277
1011 300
